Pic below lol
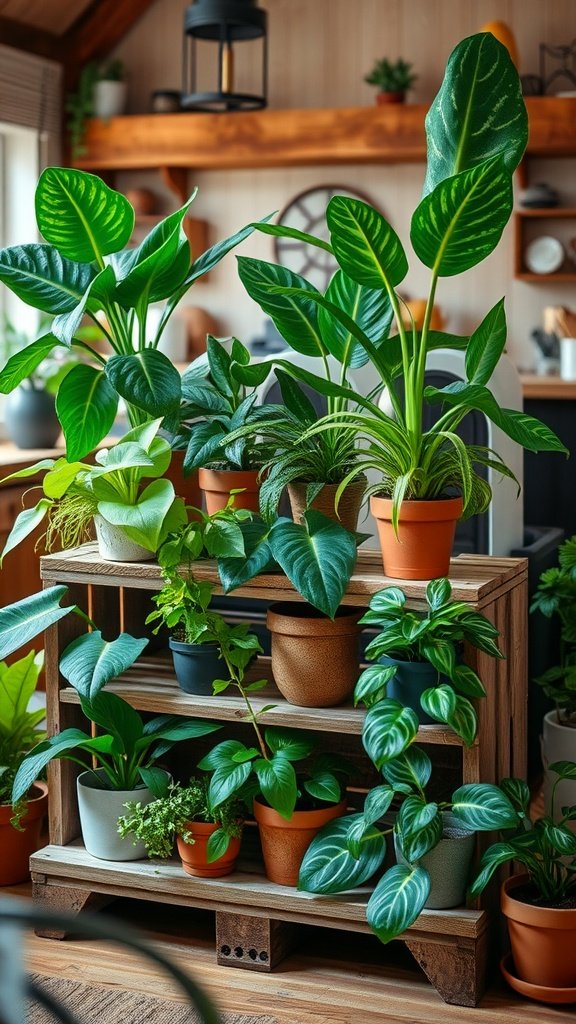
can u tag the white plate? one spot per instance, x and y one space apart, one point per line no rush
544 255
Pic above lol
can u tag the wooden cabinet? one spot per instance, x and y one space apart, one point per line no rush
251 912
529 224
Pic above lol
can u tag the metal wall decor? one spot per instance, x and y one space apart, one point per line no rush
226 24
565 60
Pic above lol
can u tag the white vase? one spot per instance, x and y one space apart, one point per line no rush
115 546
558 744
99 812
568 358
109 99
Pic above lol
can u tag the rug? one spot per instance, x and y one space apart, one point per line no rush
94 1004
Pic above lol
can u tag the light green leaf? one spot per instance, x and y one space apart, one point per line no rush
159 264
86 406
397 901
80 215
142 522
25 524
22 364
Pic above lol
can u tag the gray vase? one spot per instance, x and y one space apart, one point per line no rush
115 546
448 864
31 420
99 812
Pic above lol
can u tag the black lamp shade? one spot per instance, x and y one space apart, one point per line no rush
225 22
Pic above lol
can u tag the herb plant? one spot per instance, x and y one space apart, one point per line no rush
556 596
391 76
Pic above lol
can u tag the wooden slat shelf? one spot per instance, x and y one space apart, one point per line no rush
547 387
295 138
562 277
546 212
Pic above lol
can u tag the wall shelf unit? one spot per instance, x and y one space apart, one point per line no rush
526 222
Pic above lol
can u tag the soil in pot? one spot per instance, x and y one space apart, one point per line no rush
195 856
348 507
17 847
115 546
314 659
31 420
543 938
448 864
423 547
284 843
217 484
99 812
196 666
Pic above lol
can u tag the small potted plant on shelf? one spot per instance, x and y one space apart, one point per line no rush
393 78
21 823
555 597
131 515
539 905
418 656
428 478
125 749
208 840
101 92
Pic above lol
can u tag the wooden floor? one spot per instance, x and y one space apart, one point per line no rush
333 979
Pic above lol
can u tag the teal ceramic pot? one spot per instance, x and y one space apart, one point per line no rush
409 683
196 666
31 420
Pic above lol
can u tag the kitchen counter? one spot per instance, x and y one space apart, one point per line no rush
12 458
547 387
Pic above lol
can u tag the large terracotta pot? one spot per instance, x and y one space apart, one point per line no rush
217 484
348 506
16 847
314 659
423 547
195 856
543 940
284 843
186 487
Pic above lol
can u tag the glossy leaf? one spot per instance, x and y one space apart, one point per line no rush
377 803
293 744
413 768
89 662
212 257
419 827
365 245
160 263
372 683
146 379
80 215
318 557
42 278
389 728
483 807
464 720
329 867
257 558
227 780
295 316
466 681
561 839
22 364
438 593
116 717
277 780
144 521
86 406
59 746
563 769
370 309
324 786
25 524
486 345
439 702
397 901
25 619
217 845
222 755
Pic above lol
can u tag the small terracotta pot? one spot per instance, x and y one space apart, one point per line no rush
542 939
314 659
217 484
186 487
195 856
16 847
348 506
423 547
383 98
284 843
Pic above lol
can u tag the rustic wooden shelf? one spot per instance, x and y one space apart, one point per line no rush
534 386
545 212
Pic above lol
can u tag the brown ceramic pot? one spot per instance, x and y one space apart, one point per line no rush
195 857
16 847
423 547
217 484
314 659
384 98
186 487
284 843
348 506
543 940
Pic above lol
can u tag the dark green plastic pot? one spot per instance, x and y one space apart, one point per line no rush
196 666
409 683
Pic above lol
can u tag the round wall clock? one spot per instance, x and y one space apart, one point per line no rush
307 212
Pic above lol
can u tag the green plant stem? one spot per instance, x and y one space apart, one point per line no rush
236 678
86 348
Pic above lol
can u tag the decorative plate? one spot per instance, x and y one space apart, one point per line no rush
544 255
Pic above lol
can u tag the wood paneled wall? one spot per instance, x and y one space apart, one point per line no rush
319 52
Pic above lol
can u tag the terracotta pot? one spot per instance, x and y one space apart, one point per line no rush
383 98
423 547
314 659
16 847
284 843
217 484
542 939
186 487
195 857
348 506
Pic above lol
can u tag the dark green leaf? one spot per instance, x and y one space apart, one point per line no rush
497 854
369 308
484 807
292 743
89 662
25 619
486 345
277 780
295 316
413 768
328 865
365 245
42 278
80 215
397 901
389 729
438 593
147 380
318 557
86 406
58 746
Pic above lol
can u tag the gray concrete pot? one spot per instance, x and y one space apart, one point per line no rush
558 744
115 546
31 420
99 812
448 865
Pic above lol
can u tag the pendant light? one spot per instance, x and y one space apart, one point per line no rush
226 24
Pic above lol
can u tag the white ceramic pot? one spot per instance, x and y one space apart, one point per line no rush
558 744
109 99
99 812
448 865
115 546
568 358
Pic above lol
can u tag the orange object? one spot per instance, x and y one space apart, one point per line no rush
504 34
426 529
417 308
186 487
543 940
284 843
195 856
16 847
348 507
217 485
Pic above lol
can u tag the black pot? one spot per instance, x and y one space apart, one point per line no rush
409 683
31 420
196 666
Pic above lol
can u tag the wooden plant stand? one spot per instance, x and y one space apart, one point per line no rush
256 920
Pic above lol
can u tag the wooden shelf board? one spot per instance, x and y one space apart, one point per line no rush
547 387
474 578
243 892
563 277
150 686
546 212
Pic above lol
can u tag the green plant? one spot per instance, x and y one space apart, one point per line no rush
547 849
435 636
477 132
82 269
391 76
556 596
18 725
157 824
48 375
80 105
114 488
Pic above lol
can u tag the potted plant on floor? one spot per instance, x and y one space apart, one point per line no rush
393 78
20 825
131 516
555 597
539 905
208 840
428 478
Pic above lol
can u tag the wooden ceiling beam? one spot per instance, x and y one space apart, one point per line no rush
31 40
99 29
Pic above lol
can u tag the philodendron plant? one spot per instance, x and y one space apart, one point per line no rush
83 269
477 131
